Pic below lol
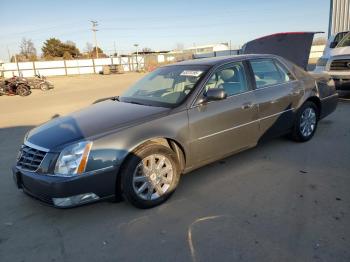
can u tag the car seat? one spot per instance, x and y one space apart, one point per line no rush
231 82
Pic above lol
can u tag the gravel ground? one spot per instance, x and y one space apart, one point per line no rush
281 201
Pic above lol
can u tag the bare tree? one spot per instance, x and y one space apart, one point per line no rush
27 48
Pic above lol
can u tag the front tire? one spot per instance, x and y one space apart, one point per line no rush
305 122
150 176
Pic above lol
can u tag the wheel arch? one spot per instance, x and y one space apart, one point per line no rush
316 100
165 141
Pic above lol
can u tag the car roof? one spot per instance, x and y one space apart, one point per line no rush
220 59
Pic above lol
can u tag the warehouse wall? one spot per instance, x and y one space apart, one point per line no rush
339 17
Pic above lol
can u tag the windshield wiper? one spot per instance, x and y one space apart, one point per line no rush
115 98
136 103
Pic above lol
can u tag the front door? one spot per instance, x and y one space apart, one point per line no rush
218 128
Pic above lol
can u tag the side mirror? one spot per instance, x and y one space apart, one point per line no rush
333 44
215 94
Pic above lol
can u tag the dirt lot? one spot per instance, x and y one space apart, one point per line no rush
70 94
281 201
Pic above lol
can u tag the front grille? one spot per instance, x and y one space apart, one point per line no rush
30 158
340 65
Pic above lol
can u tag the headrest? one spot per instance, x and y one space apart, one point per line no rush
227 74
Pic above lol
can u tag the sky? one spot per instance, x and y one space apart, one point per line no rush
159 25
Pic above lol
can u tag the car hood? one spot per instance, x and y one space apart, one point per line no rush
94 120
294 46
339 51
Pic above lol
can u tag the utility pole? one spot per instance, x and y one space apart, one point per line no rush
137 53
94 25
8 52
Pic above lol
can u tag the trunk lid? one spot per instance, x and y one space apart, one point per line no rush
294 46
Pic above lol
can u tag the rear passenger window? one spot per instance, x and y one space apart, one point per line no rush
268 72
287 76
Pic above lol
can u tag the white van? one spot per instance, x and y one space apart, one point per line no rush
335 61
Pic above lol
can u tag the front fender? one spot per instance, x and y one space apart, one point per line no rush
113 148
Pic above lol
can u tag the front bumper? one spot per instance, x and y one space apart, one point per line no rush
342 82
46 188
341 79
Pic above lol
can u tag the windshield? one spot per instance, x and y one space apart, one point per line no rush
167 86
345 41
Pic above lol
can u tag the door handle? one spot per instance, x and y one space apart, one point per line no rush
247 105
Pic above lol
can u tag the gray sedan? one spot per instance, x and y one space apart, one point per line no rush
176 119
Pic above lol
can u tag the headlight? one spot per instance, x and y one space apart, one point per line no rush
73 159
322 61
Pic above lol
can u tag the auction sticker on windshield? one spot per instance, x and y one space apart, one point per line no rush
195 73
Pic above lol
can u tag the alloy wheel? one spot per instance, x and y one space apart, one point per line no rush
308 122
153 176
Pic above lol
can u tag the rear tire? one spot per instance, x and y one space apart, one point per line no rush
149 176
305 122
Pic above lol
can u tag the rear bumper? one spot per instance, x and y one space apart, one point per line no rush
49 187
328 105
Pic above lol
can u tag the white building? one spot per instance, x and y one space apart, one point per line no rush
339 17
202 49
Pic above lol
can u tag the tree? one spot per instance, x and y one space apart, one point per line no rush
55 48
67 56
52 47
71 49
28 50
49 58
146 50
100 53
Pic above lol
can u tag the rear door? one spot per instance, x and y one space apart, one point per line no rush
218 128
277 92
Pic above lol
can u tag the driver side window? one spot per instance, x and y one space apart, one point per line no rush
232 79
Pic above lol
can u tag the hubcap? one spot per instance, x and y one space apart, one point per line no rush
152 177
308 122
